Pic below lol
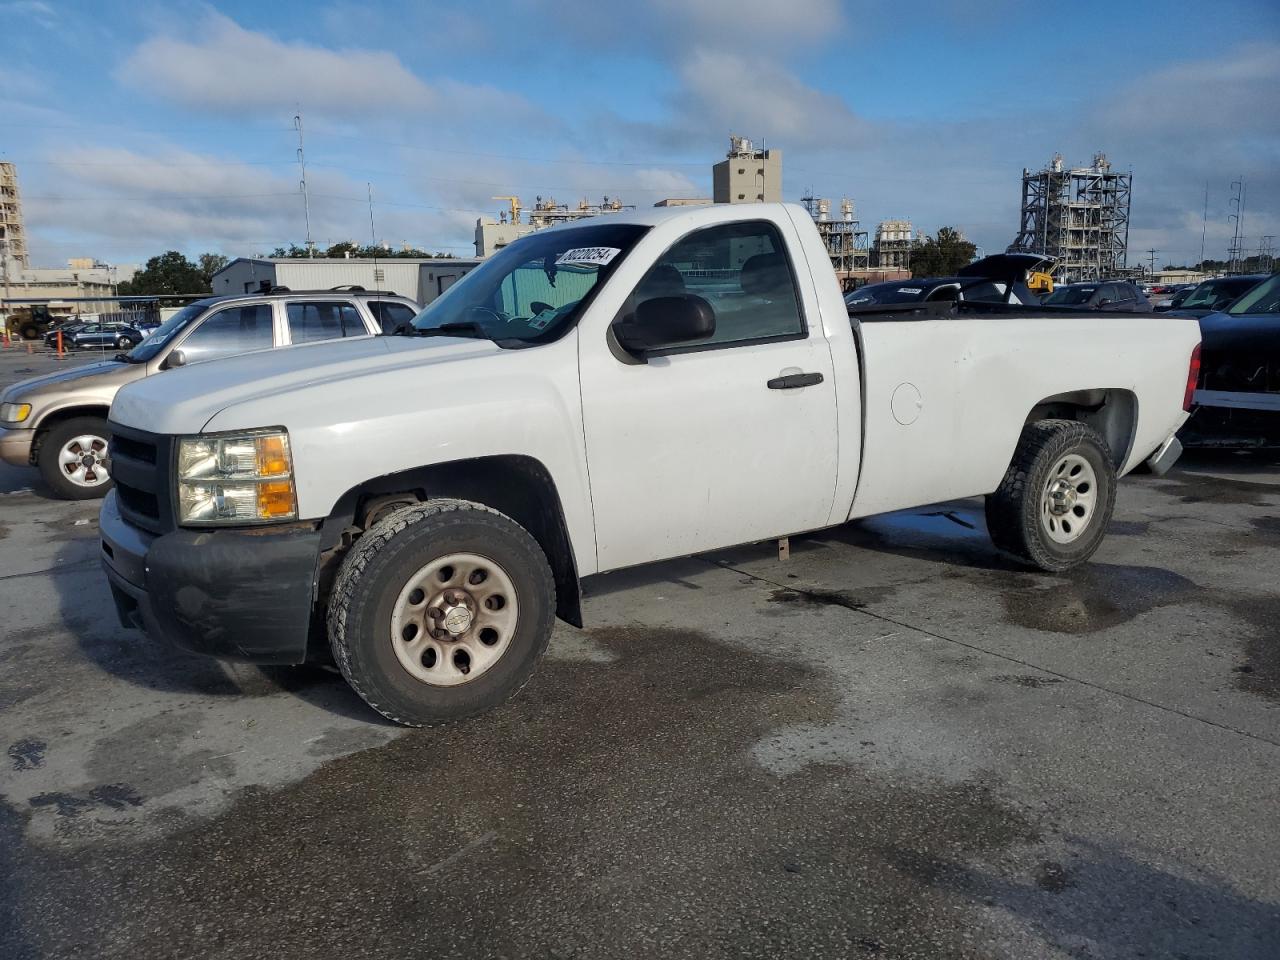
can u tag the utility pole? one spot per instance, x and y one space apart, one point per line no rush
4 269
1152 254
1204 225
1237 200
306 200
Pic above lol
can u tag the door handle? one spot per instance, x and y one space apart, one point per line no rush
793 381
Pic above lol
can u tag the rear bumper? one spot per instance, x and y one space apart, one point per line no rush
15 446
237 594
1162 461
1233 420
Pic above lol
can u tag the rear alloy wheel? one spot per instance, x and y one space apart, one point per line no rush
124 343
72 458
441 611
1055 502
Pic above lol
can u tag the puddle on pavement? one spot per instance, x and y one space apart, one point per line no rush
1092 598
608 804
1203 488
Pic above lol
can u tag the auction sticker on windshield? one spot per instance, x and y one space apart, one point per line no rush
589 256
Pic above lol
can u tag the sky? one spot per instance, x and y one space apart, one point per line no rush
145 126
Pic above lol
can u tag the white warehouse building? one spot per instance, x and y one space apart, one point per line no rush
418 279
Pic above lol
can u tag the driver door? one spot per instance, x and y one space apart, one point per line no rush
722 441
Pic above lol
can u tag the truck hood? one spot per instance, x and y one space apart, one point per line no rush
111 373
186 399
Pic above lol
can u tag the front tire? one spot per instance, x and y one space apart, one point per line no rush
124 343
1054 504
441 611
71 458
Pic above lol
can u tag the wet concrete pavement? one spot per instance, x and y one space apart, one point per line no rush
895 744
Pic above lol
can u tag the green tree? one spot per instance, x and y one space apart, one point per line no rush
171 272
942 254
208 264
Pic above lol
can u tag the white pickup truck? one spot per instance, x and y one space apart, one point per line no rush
618 391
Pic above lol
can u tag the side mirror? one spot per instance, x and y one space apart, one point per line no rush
666 321
174 360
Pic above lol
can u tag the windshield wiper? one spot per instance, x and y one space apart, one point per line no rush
461 328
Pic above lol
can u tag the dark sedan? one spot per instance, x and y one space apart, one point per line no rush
66 329
1103 295
117 335
1237 398
1216 294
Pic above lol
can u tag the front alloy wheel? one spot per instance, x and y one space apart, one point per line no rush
72 458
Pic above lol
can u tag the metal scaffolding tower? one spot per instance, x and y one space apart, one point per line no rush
1077 216
847 245
13 237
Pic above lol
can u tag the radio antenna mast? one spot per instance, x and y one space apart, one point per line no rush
302 184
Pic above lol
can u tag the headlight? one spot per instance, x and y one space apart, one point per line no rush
234 479
14 412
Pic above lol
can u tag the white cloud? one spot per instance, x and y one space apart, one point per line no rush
125 205
729 92
231 69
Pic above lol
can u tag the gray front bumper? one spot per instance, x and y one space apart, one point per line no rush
15 446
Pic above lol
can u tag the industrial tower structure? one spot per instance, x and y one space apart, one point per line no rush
13 236
1077 216
847 245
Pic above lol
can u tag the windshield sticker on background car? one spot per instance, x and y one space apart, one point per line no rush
589 256
910 289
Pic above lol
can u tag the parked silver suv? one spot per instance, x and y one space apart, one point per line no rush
58 422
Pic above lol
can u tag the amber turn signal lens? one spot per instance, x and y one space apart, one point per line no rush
273 456
275 499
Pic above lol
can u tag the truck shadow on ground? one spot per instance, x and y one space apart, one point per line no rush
1100 901
88 613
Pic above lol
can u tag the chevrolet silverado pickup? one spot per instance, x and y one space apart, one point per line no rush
621 390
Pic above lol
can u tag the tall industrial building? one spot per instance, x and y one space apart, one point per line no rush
13 236
894 240
846 242
747 175
1077 216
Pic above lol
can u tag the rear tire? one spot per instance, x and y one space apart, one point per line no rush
1055 502
71 455
441 611
124 343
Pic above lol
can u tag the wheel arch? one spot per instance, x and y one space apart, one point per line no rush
519 486
62 415
1112 412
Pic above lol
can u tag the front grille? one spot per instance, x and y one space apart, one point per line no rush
140 450
142 467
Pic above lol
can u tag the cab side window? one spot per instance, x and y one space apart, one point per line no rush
323 320
230 332
741 270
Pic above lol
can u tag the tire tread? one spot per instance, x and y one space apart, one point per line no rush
362 555
1012 511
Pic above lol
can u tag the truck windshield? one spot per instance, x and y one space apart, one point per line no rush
533 290
1264 298
154 343
1070 296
